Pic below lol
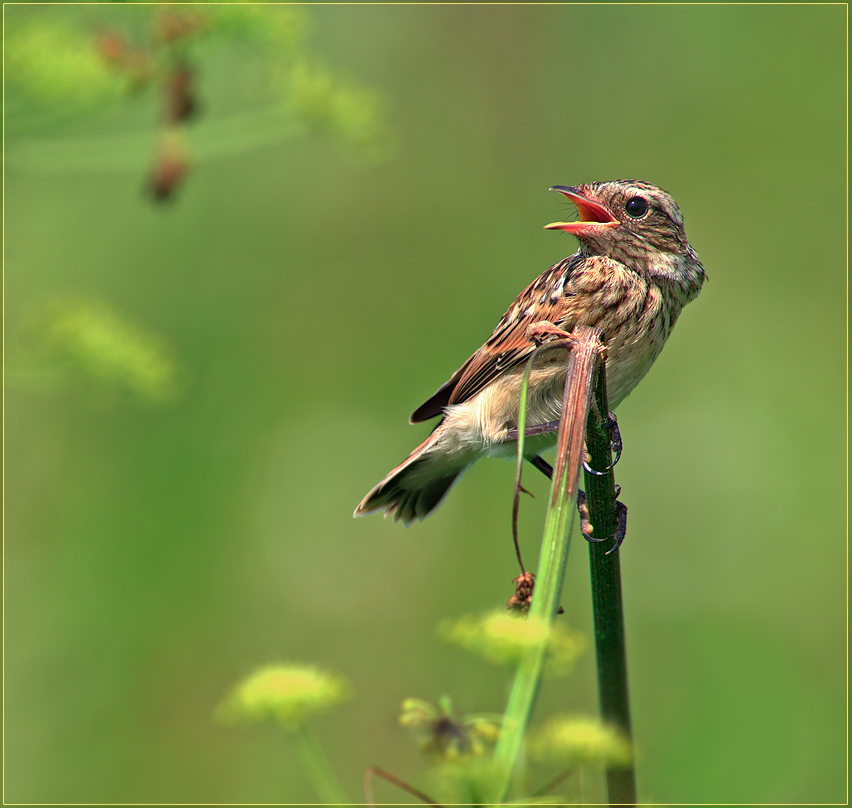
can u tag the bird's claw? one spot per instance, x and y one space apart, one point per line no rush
585 520
621 530
540 331
587 529
615 442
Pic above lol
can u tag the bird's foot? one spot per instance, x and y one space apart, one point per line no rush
540 331
542 465
615 443
586 527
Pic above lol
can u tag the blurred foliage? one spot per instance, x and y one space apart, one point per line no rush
102 352
59 65
280 30
350 113
65 64
152 553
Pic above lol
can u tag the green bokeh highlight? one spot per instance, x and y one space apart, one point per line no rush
155 555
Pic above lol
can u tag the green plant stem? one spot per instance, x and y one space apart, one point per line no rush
606 593
318 769
554 549
124 152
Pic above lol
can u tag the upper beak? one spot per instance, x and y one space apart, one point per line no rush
593 216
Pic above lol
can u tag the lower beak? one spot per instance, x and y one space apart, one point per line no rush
593 217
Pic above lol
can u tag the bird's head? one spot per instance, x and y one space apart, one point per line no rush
625 219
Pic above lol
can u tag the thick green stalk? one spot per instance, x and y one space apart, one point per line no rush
554 548
317 768
606 593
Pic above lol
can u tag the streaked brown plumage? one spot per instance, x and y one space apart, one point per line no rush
631 277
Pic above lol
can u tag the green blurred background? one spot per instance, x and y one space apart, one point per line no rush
312 296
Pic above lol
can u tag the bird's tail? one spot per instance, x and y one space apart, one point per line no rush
414 488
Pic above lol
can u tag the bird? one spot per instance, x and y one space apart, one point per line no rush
632 275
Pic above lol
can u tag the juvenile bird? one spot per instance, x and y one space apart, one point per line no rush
631 277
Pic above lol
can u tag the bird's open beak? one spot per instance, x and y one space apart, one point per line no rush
593 217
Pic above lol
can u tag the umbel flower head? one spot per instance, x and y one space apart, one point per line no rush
504 639
283 694
578 741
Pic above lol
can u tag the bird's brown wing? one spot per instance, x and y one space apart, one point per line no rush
440 399
509 345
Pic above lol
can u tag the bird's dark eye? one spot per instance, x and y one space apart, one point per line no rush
636 207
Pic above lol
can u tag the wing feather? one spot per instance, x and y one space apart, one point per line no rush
508 345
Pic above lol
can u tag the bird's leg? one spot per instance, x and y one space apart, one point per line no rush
585 523
532 431
615 442
586 527
542 465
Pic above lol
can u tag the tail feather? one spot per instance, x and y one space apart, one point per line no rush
413 489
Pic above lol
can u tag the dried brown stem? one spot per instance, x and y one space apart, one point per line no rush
369 796
551 784
579 382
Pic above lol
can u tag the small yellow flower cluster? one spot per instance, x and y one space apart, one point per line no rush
283 694
577 741
504 639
